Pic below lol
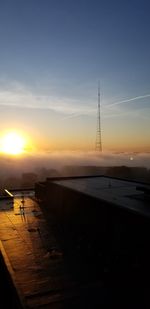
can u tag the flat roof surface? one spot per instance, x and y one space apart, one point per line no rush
116 191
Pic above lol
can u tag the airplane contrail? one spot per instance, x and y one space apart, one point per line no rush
72 115
129 100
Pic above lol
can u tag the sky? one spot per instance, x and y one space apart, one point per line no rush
52 55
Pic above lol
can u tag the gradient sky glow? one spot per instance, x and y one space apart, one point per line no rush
52 54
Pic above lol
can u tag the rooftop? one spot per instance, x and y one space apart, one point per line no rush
35 262
38 267
132 195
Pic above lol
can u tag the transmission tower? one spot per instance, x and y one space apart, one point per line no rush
98 144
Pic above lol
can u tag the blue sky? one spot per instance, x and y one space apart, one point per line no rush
52 55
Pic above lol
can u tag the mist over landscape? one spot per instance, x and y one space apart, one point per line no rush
29 168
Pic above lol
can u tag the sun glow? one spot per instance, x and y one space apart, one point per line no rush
12 143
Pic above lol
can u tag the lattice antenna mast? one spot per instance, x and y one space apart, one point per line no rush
98 145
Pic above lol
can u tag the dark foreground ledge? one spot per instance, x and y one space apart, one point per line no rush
10 295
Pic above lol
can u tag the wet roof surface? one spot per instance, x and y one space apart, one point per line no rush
41 273
119 192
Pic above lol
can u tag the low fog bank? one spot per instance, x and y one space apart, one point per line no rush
26 170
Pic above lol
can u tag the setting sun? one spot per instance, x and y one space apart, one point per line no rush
12 143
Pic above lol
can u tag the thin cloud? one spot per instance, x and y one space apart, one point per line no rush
21 97
16 95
